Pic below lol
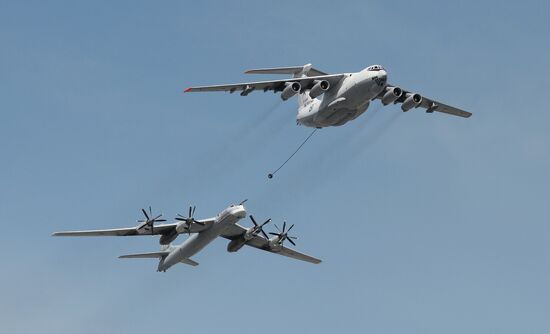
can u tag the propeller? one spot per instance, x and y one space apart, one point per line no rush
189 220
259 228
149 220
283 234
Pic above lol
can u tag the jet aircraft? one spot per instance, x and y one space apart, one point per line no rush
201 233
334 99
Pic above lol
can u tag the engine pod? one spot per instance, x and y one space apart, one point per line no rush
391 95
412 101
319 87
291 89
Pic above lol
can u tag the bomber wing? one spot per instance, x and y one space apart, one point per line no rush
120 232
133 231
236 231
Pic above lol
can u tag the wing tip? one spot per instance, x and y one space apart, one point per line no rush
187 90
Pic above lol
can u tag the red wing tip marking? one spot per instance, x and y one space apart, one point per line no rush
187 90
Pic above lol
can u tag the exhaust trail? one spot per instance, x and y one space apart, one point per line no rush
337 146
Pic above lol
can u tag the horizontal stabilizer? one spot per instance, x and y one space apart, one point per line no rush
190 262
310 71
153 255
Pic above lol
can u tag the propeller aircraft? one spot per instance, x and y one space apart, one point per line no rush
201 233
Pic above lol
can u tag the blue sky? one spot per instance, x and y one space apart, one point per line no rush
426 223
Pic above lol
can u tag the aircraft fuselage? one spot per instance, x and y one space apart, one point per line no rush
196 242
345 102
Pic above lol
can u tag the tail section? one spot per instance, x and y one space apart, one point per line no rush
189 262
306 70
153 255
296 71
165 250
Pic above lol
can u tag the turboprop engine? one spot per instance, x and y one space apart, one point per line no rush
236 244
291 89
319 88
412 101
391 95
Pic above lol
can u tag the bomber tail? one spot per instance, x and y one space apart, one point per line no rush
153 255
165 250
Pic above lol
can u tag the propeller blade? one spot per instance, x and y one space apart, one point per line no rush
277 227
193 213
150 212
292 242
264 234
190 208
284 226
157 217
180 219
160 220
200 223
253 220
290 228
145 213
272 233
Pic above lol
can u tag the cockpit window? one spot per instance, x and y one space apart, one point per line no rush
375 68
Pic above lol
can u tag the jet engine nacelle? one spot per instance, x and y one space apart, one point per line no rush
291 89
391 95
235 245
412 101
319 88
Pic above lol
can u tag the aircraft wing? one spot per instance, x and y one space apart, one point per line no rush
236 231
431 105
274 85
120 232
131 231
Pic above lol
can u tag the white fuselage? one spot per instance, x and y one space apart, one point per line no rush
196 242
344 102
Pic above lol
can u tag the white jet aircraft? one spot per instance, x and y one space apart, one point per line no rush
201 233
334 99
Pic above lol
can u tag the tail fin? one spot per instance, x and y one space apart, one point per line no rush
153 255
190 262
296 71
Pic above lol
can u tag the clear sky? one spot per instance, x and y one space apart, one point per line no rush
426 223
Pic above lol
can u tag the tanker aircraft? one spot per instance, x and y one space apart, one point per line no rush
334 99
201 233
